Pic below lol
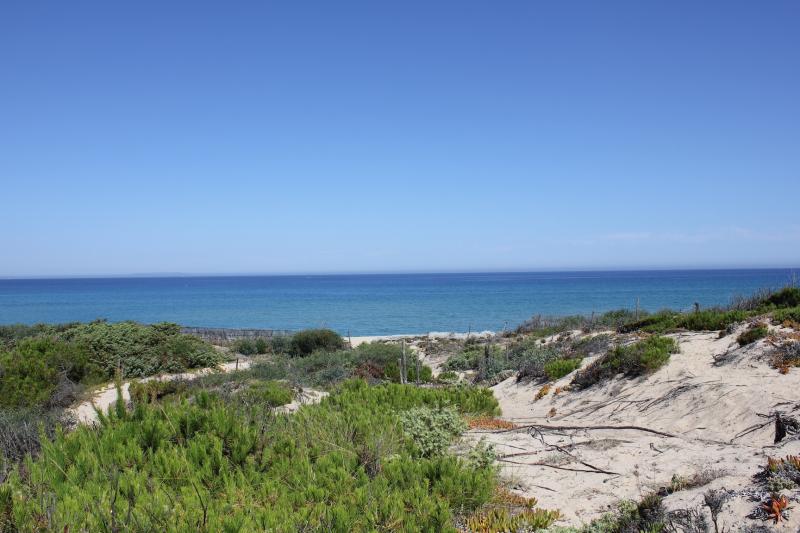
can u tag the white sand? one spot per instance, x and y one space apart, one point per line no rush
431 335
103 398
707 406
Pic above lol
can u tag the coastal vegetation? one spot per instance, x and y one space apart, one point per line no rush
48 366
365 458
241 450
783 304
639 358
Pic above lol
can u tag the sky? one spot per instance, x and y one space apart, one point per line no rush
323 137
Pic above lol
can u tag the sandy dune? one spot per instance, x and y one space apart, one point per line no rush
703 404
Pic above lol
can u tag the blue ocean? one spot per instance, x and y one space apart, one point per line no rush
379 304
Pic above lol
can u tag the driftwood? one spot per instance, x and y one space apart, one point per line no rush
593 471
545 427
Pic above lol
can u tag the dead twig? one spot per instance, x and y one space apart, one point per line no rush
542 427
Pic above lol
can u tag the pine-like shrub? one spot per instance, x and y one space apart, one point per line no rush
309 341
207 465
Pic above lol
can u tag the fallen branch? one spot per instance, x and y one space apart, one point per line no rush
595 471
540 427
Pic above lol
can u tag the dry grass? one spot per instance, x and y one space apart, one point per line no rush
543 392
491 423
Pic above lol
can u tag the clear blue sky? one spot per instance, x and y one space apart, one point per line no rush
259 137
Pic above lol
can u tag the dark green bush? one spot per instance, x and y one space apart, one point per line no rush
244 347
204 465
392 372
47 365
752 335
559 368
262 346
787 297
255 346
632 360
448 377
710 319
140 350
791 314
267 394
309 341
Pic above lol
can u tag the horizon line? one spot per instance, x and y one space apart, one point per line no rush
390 272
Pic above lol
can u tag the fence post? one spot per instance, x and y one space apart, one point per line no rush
403 371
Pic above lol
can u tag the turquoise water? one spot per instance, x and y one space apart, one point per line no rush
371 304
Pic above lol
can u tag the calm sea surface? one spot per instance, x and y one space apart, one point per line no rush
371 304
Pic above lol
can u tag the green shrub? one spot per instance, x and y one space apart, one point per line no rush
646 516
262 346
21 431
559 368
635 359
266 394
447 377
308 341
279 344
144 392
752 335
467 399
244 347
140 350
531 362
342 465
711 319
466 360
48 369
432 429
792 314
255 346
787 297
392 373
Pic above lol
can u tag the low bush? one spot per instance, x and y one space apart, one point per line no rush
447 377
467 399
204 465
21 431
531 362
786 355
144 392
392 373
590 345
786 297
632 360
266 394
787 316
752 335
309 341
432 429
645 516
47 365
558 368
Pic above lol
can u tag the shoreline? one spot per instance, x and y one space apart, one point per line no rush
356 340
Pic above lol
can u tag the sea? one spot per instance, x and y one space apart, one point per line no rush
373 304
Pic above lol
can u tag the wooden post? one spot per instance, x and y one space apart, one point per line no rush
418 368
404 369
237 363
349 339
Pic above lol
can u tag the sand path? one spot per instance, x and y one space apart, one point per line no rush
103 398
